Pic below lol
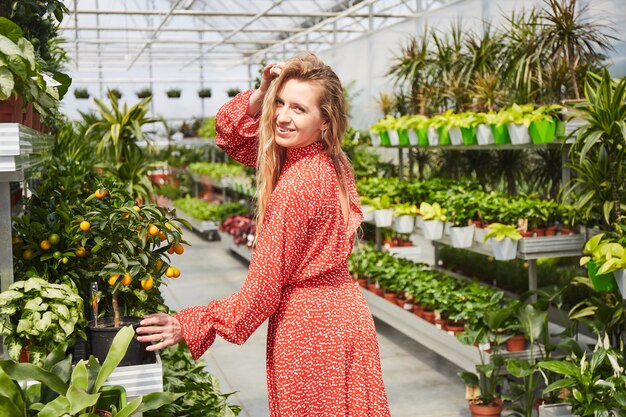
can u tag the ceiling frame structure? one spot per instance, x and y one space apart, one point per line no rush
187 33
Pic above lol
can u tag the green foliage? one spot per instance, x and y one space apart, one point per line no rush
207 130
144 93
608 255
232 92
204 93
38 315
217 170
81 93
201 210
173 92
499 231
201 395
66 391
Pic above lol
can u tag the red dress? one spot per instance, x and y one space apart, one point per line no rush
322 350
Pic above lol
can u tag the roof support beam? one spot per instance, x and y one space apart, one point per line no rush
191 29
200 13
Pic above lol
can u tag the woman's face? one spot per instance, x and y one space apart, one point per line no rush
297 118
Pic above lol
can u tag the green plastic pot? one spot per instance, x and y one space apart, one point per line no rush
603 282
444 136
422 136
559 131
404 137
500 134
542 131
469 135
384 138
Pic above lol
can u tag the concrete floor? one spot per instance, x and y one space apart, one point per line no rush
418 381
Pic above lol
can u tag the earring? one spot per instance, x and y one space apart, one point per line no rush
323 134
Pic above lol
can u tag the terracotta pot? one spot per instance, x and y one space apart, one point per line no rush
551 231
24 356
516 343
11 110
388 243
429 316
372 287
400 300
527 234
441 324
565 231
455 328
391 296
418 310
408 305
362 282
539 232
491 410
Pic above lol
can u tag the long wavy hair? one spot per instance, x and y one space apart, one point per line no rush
306 67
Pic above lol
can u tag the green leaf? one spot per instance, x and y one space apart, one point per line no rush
79 376
519 368
10 390
9 409
28 371
130 408
557 385
562 368
10 29
79 399
156 400
57 408
116 353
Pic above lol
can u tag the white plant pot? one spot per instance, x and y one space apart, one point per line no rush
479 235
383 218
413 140
446 228
433 136
432 229
394 138
484 135
375 139
368 215
456 138
555 410
404 224
620 277
419 222
505 249
462 236
518 133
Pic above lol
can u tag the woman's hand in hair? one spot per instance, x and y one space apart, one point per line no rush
270 72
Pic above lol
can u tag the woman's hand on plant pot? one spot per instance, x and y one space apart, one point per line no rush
161 329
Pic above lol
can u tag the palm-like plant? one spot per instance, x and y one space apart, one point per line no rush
565 34
602 140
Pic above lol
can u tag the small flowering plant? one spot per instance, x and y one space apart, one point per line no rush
597 384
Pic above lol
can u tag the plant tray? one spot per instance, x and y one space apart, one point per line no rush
530 245
139 379
412 253
418 329
200 226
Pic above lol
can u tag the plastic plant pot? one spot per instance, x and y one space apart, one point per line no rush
432 229
413 138
394 138
456 138
620 278
518 133
602 282
462 236
422 136
383 218
404 137
444 136
469 135
542 131
505 249
500 134
368 215
376 141
433 137
404 224
384 138
484 136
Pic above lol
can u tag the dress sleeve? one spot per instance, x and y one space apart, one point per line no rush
236 131
275 258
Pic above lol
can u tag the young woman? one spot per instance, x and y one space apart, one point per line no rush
322 351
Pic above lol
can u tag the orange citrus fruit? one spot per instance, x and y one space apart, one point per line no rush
176 272
137 208
178 248
113 279
126 280
80 252
162 236
158 265
170 250
16 240
85 225
27 255
101 193
147 283
45 245
153 230
54 238
125 215
170 272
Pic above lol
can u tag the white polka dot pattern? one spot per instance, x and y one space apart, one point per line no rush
322 351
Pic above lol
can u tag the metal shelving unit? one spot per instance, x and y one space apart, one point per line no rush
21 149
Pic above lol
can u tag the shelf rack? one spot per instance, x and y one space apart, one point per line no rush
21 150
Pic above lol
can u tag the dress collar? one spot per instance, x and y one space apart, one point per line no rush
294 154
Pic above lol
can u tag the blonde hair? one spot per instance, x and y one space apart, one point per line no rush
306 67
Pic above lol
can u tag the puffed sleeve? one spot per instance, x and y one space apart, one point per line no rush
275 259
236 131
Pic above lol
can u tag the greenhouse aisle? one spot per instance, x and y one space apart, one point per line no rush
418 382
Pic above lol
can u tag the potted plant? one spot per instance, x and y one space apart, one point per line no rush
462 128
232 92
596 385
81 93
503 239
128 247
416 130
433 218
462 209
144 93
380 131
484 132
72 391
486 399
204 93
173 93
543 121
517 120
603 258
37 316
383 211
404 217
368 215
114 92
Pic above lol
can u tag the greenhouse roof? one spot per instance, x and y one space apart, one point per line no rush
116 36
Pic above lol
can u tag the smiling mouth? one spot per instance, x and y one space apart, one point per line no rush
284 129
